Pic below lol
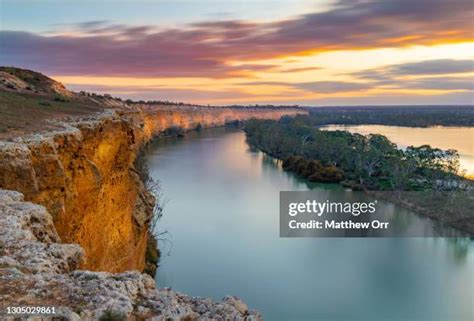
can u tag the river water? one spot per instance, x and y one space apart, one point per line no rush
223 224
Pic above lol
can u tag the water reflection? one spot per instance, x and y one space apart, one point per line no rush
460 248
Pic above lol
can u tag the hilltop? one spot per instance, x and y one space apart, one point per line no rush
28 81
30 102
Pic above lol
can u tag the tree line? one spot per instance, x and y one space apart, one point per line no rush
411 116
368 162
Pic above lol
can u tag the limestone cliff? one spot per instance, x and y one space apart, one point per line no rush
84 176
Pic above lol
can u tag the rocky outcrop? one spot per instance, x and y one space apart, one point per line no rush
37 270
84 176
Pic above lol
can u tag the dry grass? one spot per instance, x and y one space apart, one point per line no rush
29 113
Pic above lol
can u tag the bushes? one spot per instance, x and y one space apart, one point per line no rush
313 170
330 174
61 99
288 163
152 256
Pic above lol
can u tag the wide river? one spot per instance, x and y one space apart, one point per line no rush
223 223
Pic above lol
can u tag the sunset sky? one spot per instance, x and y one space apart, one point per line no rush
346 52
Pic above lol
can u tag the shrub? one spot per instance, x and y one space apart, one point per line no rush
61 99
329 174
110 315
312 167
289 163
152 256
300 167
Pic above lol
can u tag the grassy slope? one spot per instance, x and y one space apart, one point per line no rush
27 113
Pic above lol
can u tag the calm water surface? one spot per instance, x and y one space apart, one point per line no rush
459 138
222 217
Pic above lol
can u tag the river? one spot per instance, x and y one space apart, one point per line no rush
223 224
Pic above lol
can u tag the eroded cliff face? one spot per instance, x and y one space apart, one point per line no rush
157 118
85 177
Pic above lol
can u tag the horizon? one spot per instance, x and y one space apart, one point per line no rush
308 53
137 100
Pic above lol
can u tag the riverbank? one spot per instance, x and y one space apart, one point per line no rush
421 179
454 208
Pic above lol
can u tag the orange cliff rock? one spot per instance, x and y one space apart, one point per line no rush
85 176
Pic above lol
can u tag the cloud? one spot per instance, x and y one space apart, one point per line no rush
327 87
322 87
159 92
427 75
140 55
428 67
299 69
448 83
91 24
456 98
434 67
391 77
206 49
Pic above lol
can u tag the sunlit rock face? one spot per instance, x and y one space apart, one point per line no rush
158 118
84 175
